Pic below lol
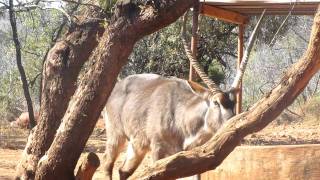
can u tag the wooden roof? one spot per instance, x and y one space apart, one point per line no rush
274 7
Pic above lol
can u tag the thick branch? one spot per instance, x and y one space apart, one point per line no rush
211 154
61 69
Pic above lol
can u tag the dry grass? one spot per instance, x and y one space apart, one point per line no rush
12 138
301 126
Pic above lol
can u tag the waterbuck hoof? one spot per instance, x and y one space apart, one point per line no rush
124 174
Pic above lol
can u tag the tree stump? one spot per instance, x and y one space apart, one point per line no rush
88 166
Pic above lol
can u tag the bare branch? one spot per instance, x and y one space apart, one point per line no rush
4 4
30 52
23 77
14 7
246 54
33 81
35 6
82 4
282 24
299 35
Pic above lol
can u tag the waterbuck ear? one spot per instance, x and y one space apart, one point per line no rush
232 93
197 87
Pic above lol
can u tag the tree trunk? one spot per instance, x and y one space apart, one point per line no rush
23 76
131 22
211 154
54 38
61 69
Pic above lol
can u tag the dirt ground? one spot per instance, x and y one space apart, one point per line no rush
12 142
301 132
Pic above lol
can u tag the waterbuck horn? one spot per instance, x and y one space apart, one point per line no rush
245 58
193 60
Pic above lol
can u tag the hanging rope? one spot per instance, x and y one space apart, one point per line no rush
193 60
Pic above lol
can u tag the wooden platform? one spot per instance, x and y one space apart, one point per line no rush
274 7
292 162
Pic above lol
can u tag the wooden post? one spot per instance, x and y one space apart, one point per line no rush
240 54
194 39
194 45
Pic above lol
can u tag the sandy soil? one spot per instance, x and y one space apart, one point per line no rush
8 159
302 132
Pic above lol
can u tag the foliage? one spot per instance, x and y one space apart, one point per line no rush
107 5
268 62
35 31
163 53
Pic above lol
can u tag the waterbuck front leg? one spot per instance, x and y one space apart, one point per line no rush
134 155
114 146
200 138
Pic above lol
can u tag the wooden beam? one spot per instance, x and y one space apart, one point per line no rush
240 54
222 14
194 39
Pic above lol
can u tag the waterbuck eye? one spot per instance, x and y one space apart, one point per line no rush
215 103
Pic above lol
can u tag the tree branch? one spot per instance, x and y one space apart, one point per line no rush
35 6
4 5
82 4
23 77
61 68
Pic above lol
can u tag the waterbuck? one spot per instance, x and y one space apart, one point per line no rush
162 115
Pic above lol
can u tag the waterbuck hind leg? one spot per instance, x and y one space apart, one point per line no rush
113 149
134 155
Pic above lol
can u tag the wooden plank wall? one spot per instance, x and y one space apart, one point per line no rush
290 162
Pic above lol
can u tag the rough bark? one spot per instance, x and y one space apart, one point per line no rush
211 154
54 38
23 76
88 166
131 22
61 69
